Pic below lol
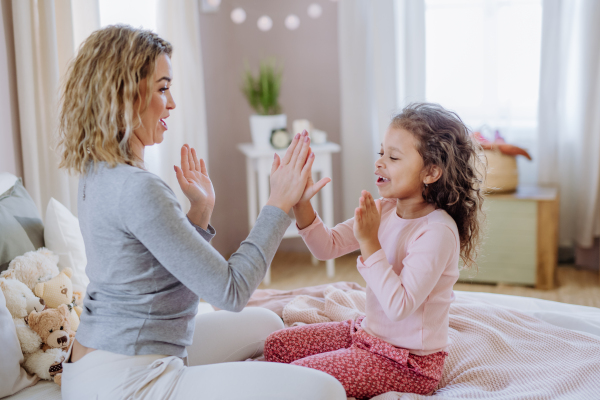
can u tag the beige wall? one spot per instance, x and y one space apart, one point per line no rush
310 89
10 140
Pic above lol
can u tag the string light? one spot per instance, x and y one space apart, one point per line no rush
315 10
238 15
264 23
292 22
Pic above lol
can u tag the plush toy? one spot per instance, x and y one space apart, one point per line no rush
54 328
33 267
57 291
21 301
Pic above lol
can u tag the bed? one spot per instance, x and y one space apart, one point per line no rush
466 378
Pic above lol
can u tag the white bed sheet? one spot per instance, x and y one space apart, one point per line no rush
585 320
582 319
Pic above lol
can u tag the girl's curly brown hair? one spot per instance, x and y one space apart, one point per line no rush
445 141
97 115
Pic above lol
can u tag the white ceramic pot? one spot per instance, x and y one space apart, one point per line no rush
261 127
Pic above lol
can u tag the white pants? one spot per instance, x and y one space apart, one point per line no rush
220 337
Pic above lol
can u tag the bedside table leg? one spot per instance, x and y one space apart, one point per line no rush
267 279
547 253
330 268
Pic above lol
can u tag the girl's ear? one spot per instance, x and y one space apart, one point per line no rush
433 175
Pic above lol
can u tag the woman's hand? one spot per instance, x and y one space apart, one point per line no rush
290 174
196 185
367 217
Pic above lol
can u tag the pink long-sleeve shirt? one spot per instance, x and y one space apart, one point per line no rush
409 281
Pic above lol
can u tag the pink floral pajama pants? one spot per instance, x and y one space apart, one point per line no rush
365 365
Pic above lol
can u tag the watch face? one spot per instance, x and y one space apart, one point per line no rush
280 138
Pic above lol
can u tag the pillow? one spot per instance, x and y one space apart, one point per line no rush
7 181
21 228
63 236
12 376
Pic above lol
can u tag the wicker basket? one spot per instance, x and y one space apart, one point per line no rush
502 172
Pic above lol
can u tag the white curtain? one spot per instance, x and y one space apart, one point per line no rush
569 115
382 68
178 21
44 43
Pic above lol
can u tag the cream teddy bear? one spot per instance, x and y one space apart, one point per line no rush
57 291
20 302
54 328
33 267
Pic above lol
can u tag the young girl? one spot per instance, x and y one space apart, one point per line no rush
410 242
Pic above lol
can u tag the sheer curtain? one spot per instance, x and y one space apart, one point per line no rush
569 117
371 86
178 21
45 40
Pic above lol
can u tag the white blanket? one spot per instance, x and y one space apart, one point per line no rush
496 352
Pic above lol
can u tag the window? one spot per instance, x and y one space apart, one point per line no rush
137 13
483 61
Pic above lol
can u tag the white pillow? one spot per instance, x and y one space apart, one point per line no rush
63 236
7 180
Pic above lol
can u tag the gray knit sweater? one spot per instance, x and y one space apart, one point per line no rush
148 265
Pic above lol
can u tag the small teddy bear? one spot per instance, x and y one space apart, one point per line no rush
33 267
54 328
21 301
57 291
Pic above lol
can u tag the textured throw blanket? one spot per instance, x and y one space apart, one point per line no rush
495 352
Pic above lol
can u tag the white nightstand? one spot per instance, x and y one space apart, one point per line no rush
258 171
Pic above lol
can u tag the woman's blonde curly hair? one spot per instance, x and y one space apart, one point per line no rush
445 141
97 115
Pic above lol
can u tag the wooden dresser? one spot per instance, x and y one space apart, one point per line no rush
520 244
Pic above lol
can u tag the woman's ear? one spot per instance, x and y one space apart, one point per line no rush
433 175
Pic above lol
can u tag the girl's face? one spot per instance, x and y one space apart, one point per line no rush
399 169
161 102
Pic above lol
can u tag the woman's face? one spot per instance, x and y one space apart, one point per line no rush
161 102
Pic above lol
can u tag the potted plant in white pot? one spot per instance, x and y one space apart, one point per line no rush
268 125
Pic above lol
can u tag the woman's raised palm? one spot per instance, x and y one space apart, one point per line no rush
194 180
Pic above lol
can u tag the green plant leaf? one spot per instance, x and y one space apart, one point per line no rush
262 91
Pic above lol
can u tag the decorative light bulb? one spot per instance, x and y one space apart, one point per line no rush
315 10
292 22
264 23
238 15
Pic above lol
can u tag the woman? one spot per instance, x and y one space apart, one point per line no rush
148 263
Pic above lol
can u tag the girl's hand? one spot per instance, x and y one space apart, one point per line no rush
312 188
196 185
367 217
290 174
303 211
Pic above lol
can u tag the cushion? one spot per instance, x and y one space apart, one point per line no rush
12 376
7 181
21 228
63 236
